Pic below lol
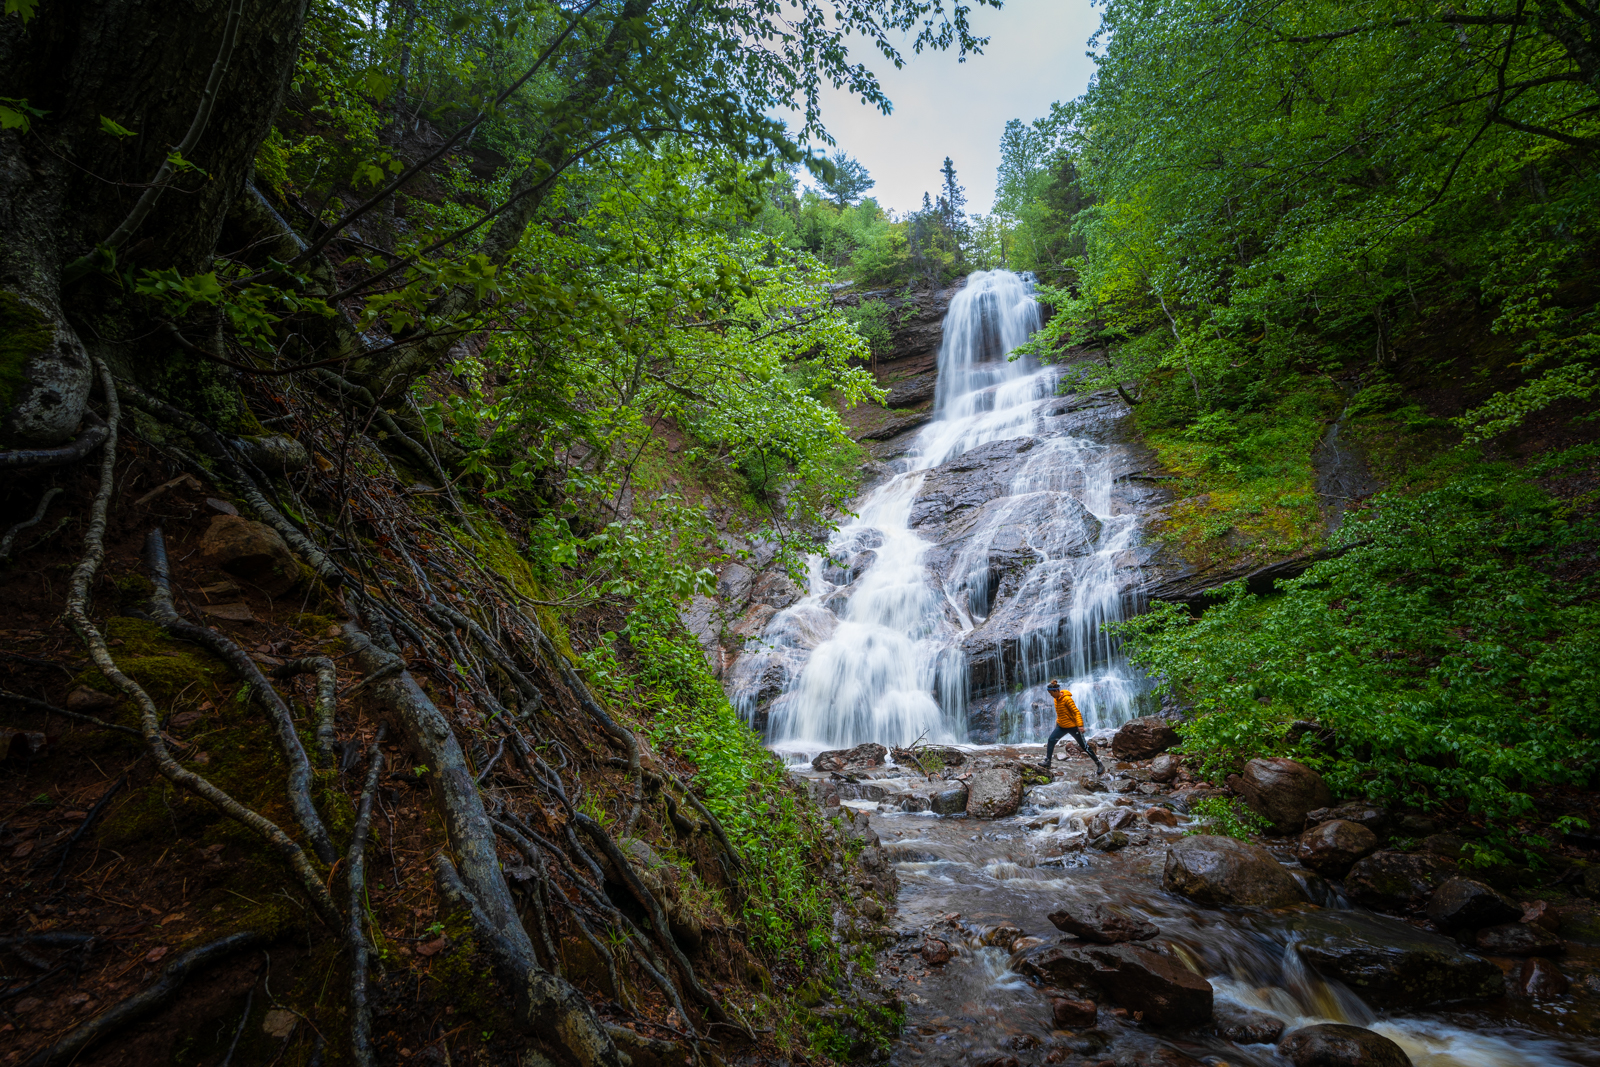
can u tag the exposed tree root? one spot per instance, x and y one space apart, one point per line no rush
25 524
78 616
146 1000
83 827
547 1005
356 934
221 646
50 709
327 700
93 434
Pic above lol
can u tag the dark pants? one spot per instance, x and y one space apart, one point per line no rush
1076 732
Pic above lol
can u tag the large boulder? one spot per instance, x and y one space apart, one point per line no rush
1462 904
1098 923
1165 767
1541 979
863 757
951 800
1283 792
995 793
1157 989
1371 816
1391 964
1519 939
1396 881
1221 870
252 552
1143 738
1332 848
1341 1045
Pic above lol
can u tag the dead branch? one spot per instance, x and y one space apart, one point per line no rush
38 517
83 827
355 933
327 699
50 709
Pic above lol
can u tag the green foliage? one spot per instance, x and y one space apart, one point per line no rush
1226 817
1447 649
873 321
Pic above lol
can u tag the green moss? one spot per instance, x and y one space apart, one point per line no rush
23 333
172 672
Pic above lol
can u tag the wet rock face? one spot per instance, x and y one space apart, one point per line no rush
1158 990
1073 1012
1396 881
1096 922
1519 939
1220 870
1391 964
1371 816
1339 1045
1143 738
994 794
1332 848
1283 791
1461 903
862 757
252 551
1247 1027
1541 980
1107 821
1165 767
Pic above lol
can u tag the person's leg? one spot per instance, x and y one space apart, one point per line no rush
1050 745
1077 735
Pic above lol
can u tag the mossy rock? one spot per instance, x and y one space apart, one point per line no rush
167 669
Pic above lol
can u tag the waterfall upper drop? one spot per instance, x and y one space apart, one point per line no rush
981 569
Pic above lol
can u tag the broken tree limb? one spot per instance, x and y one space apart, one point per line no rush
146 1000
25 524
221 646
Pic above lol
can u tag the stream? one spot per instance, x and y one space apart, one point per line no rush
1004 535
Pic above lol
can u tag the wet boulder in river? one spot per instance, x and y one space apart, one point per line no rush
1341 1045
1247 1027
1396 881
1096 922
994 794
861 758
1109 842
1071 1011
951 800
1541 979
1519 939
1390 964
1143 738
1221 870
1164 768
1283 791
1461 903
1115 819
1371 816
1332 848
1159 990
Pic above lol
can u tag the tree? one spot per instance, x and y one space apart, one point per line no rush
952 200
845 181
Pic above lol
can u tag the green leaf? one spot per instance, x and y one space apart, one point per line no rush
115 129
24 9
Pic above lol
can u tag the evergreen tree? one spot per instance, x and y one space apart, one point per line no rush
849 180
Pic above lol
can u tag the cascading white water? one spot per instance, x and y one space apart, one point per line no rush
875 650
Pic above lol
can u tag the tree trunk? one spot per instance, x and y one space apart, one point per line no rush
67 184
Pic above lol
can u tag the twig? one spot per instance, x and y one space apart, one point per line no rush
249 1001
355 934
38 516
147 1000
219 645
83 828
51 709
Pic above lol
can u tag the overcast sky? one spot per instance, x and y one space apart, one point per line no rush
945 108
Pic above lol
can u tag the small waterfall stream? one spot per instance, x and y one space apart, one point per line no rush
879 648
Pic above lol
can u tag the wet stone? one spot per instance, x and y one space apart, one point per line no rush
1143 737
1164 768
1098 923
1247 1027
1160 817
1332 848
1371 816
862 757
1073 1011
1106 821
994 794
1519 939
1390 963
1161 991
1220 870
1461 903
936 952
1283 792
1340 1045
949 801
1396 880
1110 842
1541 979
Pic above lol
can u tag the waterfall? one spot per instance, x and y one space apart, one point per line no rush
878 649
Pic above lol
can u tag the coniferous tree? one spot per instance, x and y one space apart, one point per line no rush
849 182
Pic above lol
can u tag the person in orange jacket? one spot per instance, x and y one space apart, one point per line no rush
1069 720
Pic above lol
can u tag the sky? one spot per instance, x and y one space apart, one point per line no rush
944 108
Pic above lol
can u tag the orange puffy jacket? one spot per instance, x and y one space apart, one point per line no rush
1067 713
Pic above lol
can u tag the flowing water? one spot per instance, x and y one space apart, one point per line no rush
878 649
975 1008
